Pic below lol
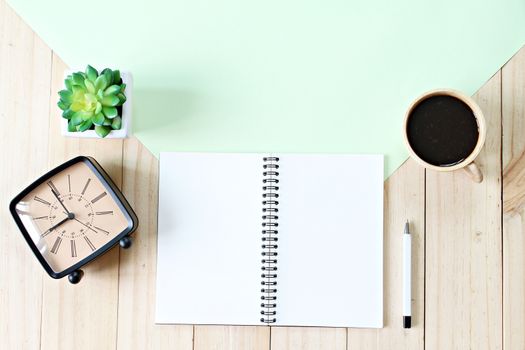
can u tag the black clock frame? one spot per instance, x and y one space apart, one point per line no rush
74 271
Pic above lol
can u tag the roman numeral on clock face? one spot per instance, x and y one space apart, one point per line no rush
97 198
85 186
73 248
56 245
53 187
86 238
38 199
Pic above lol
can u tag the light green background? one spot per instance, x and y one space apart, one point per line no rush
284 76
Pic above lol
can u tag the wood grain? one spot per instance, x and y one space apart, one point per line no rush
404 200
25 68
231 337
463 246
513 161
82 315
136 326
308 338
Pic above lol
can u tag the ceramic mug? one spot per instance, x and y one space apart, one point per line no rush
466 164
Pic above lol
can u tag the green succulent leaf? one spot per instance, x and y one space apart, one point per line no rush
107 122
78 89
85 125
116 77
76 119
122 87
109 76
102 131
100 94
66 96
122 99
62 105
110 101
68 82
98 108
71 127
110 112
77 78
91 73
67 114
89 86
99 119
116 124
87 115
101 82
112 90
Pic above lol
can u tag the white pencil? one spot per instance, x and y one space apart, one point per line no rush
407 278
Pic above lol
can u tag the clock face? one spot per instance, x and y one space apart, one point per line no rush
71 215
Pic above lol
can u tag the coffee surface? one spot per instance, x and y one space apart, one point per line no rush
442 130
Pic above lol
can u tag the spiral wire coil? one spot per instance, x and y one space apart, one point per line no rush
270 225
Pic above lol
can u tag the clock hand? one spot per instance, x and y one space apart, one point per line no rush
53 227
69 215
85 225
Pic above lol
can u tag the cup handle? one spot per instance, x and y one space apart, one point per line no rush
472 170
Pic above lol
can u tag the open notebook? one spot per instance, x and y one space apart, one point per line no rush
278 239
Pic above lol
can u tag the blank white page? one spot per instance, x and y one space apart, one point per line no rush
330 267
209 239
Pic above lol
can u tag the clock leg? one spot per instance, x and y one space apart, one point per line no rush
125 242
75 276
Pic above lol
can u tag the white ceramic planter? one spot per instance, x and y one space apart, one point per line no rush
125 130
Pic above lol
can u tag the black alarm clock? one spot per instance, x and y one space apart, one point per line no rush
72 215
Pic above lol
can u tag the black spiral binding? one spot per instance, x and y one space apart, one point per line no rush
269 239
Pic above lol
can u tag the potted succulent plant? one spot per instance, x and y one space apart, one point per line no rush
96 104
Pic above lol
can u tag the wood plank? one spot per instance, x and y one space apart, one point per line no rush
231 337
308 338
25 70
136 320
404 200
82 316
463 246
513 108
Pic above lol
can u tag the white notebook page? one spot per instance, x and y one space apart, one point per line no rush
329 248
330 241
208 264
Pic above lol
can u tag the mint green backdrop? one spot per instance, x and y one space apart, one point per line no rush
288 75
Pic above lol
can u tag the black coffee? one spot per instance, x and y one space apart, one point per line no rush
442 130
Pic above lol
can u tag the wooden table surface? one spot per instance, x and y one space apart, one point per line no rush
468 263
